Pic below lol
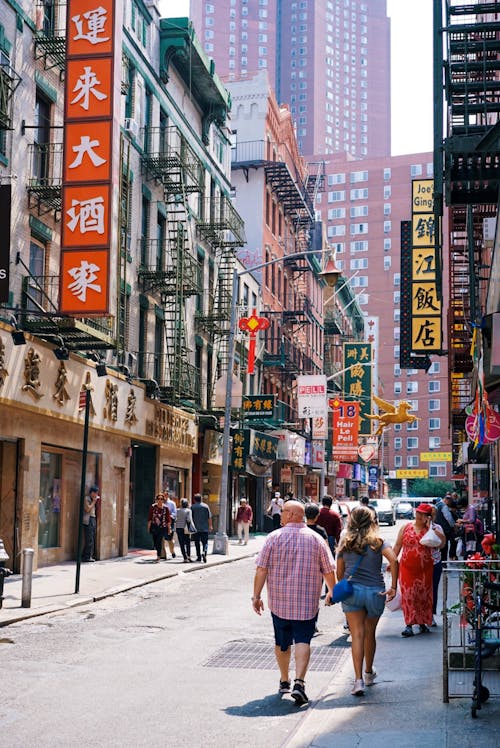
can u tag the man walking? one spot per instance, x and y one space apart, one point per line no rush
244 517
446 520
330 521
90 523
293 562
202 518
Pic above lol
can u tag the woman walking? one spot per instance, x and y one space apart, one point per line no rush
416 571
159 523
183 523
359 559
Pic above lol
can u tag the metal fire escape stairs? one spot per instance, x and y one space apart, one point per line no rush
222 227
173 274
470 36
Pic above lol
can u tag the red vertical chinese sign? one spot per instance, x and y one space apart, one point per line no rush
93 40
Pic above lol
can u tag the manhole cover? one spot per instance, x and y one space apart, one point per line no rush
260 656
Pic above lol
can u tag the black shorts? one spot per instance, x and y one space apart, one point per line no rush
288 632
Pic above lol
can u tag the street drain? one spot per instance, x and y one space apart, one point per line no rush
260 656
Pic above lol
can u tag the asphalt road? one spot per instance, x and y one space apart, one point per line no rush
183 662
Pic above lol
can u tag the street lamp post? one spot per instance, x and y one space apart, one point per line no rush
330 274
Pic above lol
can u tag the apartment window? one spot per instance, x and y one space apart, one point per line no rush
435 367
396 352
434 442
397 427
387 263
359 212
397 279
387 245
397 296
360 281
359 246
397 388
387 227
412 442
358 228
397 370
412 461
437 470
336 213
397 315
358 176
398 442
434 424
411 388
36 265
387 192
412 426
361 194
434 405
359 264
335 197
398 461
434 386
387 209
336 179
413 405
387 174
416 170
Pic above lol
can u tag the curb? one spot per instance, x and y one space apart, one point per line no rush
113 591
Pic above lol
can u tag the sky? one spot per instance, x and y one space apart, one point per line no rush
411 71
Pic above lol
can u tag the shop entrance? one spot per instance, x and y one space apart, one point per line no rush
8 501
142 492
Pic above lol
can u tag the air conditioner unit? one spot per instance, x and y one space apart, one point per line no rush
132 126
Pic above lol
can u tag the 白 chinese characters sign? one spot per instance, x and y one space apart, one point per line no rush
93 41
358 361
311 396
425 299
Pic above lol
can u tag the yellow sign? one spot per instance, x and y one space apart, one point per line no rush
423 230
417 473
425 299
422 200
425 334
423 264
435 456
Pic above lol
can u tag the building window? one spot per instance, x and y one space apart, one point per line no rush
397 279
387 174
435 386
387 227
437 470
435 367
387 244
398 442
411 388
387 263
412 442
416 170
397 388
412 426
412 461
434 424
434 442
398 461
49 503
397 370
434 405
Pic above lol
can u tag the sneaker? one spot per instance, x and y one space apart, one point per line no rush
198 558
359 688
299 693
204 558
424 629
434 622
370 678
407 632
284 686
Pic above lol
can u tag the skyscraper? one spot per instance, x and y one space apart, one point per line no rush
328 59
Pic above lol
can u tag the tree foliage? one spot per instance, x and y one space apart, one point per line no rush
429 487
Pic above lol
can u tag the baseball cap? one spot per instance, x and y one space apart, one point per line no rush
424 509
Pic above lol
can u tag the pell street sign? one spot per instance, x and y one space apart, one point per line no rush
311 395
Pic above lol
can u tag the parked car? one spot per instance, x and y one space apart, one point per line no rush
404 510
385 511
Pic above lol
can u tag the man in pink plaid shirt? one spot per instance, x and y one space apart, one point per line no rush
294 561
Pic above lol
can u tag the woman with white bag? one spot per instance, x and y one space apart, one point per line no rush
416 541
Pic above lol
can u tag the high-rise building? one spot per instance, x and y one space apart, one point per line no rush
328 59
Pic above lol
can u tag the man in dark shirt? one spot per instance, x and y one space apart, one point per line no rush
331 522
202 518
312 514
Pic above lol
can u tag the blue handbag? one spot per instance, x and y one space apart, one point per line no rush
344 589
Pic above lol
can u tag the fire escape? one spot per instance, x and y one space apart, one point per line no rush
168 266
222 228
50 35
9 81
471 178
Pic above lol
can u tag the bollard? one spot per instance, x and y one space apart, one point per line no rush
28 554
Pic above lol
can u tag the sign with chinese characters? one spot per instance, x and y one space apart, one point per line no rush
358 361
239 452
93 43
320 427
5 203
426 336
260 446
311 395
435 456
345 429
415 473
258 406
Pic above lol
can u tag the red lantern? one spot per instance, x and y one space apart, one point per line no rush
252 325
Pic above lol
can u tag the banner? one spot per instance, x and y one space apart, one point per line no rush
345 429
5 204
311 396
358 361
258 406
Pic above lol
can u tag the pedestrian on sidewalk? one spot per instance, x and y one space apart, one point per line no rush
172 508
293 562
437 568
90 523
312 514
274 510
159 524
359 559
202 518
330 521
416 568
184 523
244 517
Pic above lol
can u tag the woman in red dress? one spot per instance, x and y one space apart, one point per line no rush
415 571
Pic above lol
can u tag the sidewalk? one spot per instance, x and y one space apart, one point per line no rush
53 587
